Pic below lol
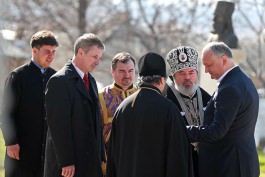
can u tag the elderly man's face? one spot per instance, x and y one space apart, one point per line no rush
186 81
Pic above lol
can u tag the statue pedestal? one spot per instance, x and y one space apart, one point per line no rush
205 80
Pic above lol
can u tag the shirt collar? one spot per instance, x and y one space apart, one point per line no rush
130 87
221 78
79 71
42 70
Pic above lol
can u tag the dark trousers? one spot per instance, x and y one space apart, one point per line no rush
14 168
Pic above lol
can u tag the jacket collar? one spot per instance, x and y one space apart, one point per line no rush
151 87
79 83
120 88
229 74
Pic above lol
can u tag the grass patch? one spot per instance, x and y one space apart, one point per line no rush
2 173
2 155
262 163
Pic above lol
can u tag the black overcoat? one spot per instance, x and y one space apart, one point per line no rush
74 125
205 98
227 144
23 116
148 138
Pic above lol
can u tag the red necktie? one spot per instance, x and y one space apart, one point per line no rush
85 78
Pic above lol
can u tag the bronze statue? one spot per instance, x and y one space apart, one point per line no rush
222 24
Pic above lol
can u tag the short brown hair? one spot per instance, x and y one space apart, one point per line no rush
122 57
43 37
86 41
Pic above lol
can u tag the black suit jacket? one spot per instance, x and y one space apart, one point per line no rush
23 114
227 147
74 125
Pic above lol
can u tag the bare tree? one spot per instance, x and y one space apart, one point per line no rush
162 26
252 17
135 26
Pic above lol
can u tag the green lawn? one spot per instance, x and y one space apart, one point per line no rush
262 163
2 153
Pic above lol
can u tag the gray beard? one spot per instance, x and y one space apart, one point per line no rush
188 91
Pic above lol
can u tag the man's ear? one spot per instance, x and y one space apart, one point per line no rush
224 59
112 71
80 52
34 50
162 80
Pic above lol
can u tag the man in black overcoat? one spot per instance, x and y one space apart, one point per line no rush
23 115
74 140
148 136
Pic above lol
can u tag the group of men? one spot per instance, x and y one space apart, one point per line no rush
58 123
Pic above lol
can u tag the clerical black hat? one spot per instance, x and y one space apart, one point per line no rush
152 64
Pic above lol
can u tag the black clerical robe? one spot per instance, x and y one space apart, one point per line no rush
149 138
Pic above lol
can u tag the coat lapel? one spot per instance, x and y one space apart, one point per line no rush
79 83
225 79
93 89
80 86
228 75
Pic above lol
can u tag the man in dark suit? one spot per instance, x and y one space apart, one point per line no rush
74 141
227 144
23 115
